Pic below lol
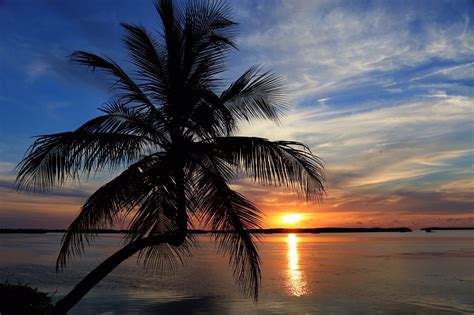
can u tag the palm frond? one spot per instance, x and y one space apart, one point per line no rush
123 119
172 39
255 95
208 33
131 90
156 213
147 56
210 118
163 257
53 159
283 163
223 209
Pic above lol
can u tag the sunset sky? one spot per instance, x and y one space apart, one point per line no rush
383 91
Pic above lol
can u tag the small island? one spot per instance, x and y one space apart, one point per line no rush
449 228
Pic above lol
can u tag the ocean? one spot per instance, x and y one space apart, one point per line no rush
353 273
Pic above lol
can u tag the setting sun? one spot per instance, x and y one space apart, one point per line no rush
292 218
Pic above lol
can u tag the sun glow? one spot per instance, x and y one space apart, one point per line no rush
292 218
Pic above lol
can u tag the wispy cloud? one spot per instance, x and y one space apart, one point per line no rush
457 72
324 47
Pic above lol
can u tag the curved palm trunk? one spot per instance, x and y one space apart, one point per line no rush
96 275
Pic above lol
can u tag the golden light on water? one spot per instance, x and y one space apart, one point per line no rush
295 280
292 218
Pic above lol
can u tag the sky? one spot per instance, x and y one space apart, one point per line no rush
382 91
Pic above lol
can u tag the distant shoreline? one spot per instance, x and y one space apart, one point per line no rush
259 231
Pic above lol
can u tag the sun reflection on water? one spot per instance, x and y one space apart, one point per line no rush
295 281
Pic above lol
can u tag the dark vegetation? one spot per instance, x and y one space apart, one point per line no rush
21 299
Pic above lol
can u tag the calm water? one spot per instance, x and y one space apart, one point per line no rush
386 273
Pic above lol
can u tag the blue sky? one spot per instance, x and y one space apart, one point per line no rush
381 90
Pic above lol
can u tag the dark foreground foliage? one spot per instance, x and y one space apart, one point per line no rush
21 299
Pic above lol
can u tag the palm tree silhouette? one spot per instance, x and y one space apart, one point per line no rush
173 135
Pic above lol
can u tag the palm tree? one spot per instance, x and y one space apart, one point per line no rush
173 136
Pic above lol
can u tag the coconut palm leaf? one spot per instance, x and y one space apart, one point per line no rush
156 213
148 61
225 210
164 258
172 38
210 119
208 33
52 159
282 163
255 95
120 118
131 91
